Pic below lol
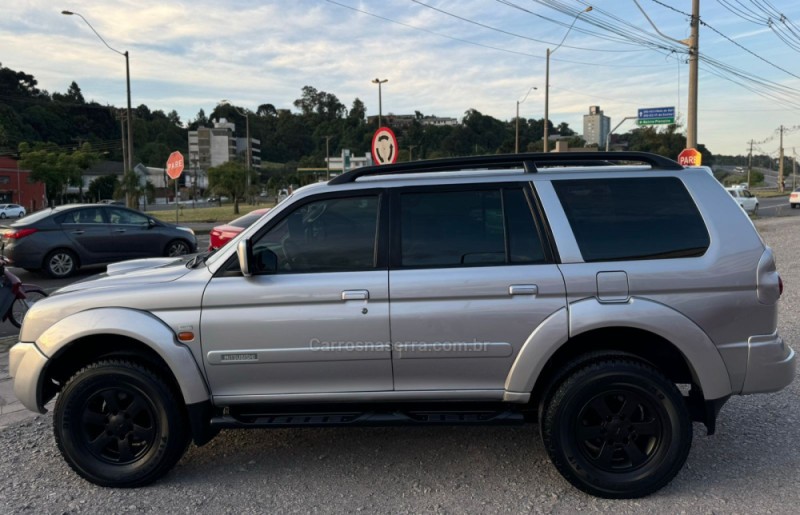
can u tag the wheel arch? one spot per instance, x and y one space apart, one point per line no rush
652 331
89 335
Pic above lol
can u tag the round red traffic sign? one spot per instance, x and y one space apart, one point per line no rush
690 157
175 165
384 146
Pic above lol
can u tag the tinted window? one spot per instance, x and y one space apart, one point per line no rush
642 218
125 217
465 228
325 236
524 244
91 215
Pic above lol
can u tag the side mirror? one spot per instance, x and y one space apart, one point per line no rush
151 223
244 250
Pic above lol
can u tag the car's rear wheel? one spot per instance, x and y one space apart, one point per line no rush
617 428
177 248
119 424
2 215
60 263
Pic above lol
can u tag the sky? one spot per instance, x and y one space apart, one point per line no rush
441 57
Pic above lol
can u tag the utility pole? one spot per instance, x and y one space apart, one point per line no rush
694 40
750 163
693 43
327 158
794 170
780 164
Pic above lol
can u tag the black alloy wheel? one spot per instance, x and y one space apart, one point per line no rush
617 429
119 424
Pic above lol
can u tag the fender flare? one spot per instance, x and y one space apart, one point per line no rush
137 325
586 315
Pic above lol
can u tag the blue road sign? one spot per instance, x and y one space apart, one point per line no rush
656 115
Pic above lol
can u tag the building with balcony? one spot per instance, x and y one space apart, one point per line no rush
213 146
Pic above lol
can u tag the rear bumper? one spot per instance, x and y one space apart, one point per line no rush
771 364
26 364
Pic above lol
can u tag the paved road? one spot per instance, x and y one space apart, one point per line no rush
749 466
776 206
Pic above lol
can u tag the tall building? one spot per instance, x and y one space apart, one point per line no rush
596 127
213 146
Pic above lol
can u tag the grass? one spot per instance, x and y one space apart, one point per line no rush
206 214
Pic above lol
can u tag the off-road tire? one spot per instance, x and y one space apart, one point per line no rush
617 429
119 424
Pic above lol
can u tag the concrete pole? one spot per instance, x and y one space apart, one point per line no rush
130 116
780 164
694 48
545 141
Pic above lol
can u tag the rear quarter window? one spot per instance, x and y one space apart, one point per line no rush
637 218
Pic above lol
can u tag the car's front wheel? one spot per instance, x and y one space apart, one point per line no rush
617 428
60 263
177 248
119 424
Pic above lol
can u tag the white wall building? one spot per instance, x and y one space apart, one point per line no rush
596 126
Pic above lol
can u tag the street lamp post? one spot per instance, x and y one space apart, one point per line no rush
516 139
129 164
380 100
546 142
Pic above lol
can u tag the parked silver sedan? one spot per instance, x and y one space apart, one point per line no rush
60 240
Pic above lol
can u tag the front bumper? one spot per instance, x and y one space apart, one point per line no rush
26 365
770 364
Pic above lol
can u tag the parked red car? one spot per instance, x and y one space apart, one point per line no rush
222 234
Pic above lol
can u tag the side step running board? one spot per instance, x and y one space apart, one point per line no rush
372 418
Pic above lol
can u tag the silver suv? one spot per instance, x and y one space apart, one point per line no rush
612 302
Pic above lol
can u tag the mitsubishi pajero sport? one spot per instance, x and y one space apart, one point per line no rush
504 289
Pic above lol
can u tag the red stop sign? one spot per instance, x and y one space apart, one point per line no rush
690 157
175 165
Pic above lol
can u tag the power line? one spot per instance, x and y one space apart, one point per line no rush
659 2
473 22
428 31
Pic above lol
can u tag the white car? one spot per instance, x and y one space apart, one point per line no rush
794 198
744 198
11 211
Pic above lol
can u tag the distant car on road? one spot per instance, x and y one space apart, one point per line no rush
60 240
744 198
222 234
11 211
794 198
217 199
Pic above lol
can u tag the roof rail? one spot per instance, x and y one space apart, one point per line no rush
527 161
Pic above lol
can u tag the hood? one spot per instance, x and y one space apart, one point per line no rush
134 272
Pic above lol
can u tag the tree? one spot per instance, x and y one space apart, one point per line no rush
103 187
55 168
229 179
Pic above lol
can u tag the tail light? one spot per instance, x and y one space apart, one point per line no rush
18 234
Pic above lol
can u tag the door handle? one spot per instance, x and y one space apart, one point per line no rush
120 230
523 289
78 232
355 295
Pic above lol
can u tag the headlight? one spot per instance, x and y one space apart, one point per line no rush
187 229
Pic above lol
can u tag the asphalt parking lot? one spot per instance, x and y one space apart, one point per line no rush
749 466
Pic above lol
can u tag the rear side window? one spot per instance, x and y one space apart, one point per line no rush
639 218
467 228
